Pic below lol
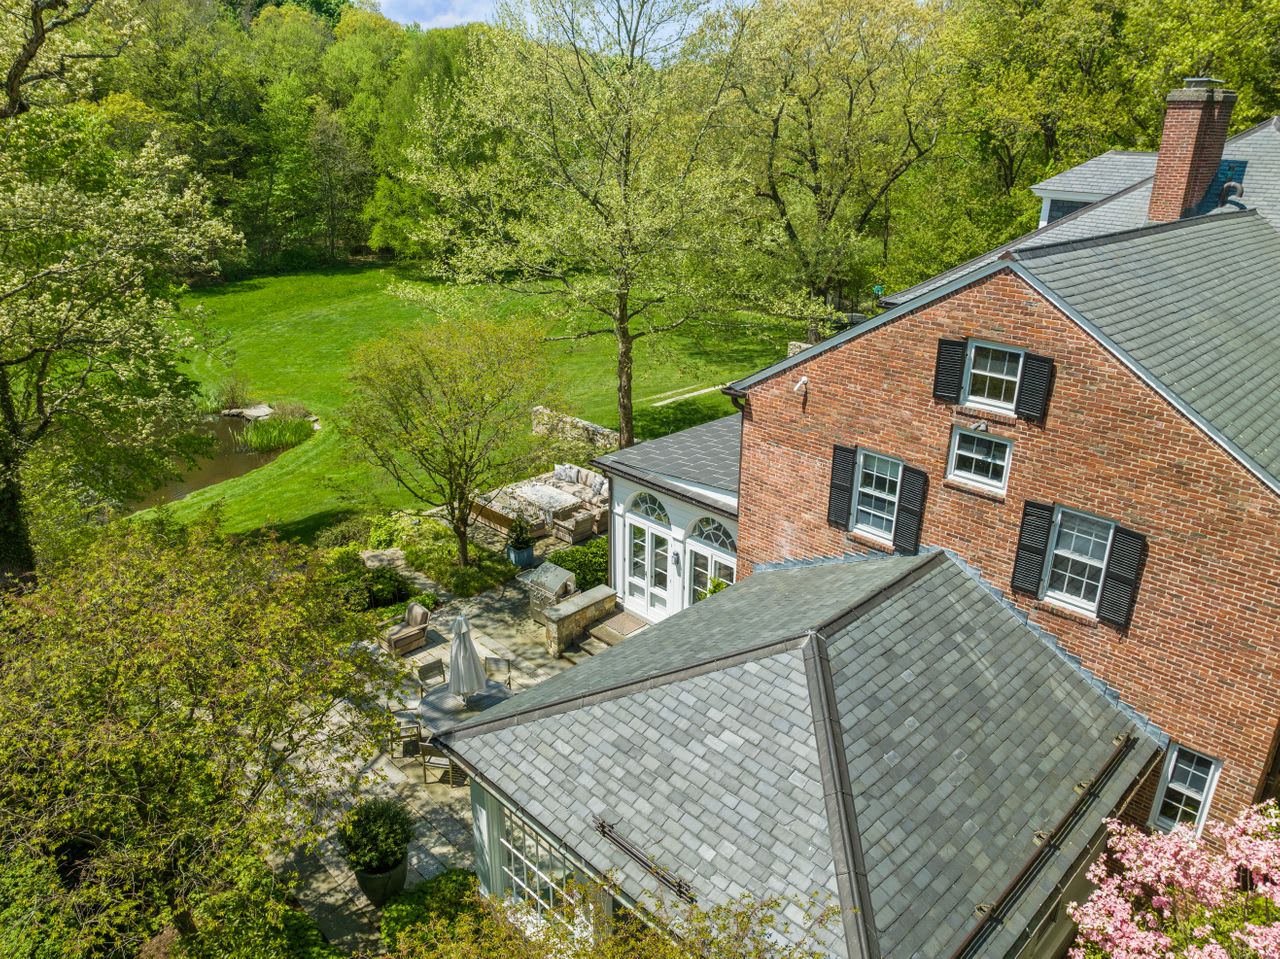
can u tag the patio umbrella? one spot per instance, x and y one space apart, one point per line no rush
466 672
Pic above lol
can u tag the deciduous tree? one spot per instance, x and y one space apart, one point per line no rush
446 410
574 160
173 704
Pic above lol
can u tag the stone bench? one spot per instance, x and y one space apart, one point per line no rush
567 620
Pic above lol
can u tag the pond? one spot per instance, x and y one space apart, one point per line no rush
227 462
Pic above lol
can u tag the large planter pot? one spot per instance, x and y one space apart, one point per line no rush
520 557
381 886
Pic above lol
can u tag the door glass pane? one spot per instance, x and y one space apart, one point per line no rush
637 552
658 580
724 572
699 576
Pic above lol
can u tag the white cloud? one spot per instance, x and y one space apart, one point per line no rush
438 13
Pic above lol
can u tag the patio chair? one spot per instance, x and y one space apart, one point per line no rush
575 528
431 674
495 667
436 758
409 634
408 740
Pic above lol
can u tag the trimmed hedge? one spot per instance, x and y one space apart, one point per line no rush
589 562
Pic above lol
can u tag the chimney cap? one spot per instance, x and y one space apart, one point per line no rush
1202 83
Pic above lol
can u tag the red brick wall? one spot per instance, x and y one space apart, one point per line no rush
1202 655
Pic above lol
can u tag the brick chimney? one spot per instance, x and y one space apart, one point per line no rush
1195 131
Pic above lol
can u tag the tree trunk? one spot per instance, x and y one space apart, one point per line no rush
626 424
464 552
17 558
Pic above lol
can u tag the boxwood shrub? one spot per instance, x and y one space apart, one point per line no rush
589 562
375 834
446 896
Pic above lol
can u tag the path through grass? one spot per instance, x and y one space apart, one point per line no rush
291 339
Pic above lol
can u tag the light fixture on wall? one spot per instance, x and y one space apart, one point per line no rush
675 561
802 385
980 427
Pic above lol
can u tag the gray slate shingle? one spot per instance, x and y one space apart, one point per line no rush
1195 304
707 455
1103 175
962 732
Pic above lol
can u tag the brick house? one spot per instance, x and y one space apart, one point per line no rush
1007 562
1094 423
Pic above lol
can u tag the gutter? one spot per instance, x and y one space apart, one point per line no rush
649 479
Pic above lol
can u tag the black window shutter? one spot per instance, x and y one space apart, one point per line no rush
844 461
948 370
1120 581
1034 388
1033 546
913 487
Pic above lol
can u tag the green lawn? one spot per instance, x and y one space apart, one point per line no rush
291 339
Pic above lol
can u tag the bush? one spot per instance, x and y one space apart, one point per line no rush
375 834
268 436
428 600
520 536
447 896
363 587
589 562
384 532
229 393
432 549
345 532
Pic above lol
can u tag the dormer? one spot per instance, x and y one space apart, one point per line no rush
1091 181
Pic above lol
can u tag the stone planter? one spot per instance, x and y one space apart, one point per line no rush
381 886
520 557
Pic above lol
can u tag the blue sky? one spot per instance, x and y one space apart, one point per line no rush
438 13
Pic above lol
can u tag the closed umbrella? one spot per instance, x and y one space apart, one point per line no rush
466 672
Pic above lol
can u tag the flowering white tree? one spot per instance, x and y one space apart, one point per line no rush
1176 896
92 245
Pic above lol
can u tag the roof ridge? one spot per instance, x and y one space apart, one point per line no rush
1102 239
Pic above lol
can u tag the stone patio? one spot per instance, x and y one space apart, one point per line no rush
500 626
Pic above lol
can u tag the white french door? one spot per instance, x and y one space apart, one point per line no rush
705 567
648 571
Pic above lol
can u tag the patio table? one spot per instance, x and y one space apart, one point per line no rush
440 709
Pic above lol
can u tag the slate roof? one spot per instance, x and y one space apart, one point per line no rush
1194 303
701 456
886 731
1103 175
1252 157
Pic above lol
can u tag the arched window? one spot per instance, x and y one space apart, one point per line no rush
650 507
714 533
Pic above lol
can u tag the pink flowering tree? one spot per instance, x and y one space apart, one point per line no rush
1176 896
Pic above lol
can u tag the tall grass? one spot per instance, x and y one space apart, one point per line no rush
267 436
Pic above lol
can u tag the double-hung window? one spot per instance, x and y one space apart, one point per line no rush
1185 790
991 376
980 459
1077 559
875 502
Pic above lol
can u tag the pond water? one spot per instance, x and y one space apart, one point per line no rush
227 462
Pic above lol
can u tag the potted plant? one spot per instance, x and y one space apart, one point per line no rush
520 544
375 836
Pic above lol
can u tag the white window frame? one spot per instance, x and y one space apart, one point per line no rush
872 531
978 481
1066 599
980 402
1157 821
518 886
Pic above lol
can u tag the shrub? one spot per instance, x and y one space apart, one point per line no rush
345 532
363 587
589 562
229 393
432 549
375 834
267 436
429 600
384 532
519 536
444 897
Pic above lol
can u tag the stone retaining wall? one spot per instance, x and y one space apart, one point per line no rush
568 620
547 422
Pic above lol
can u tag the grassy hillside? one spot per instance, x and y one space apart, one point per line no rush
291 338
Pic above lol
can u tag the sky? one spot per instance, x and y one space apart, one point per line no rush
438 13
